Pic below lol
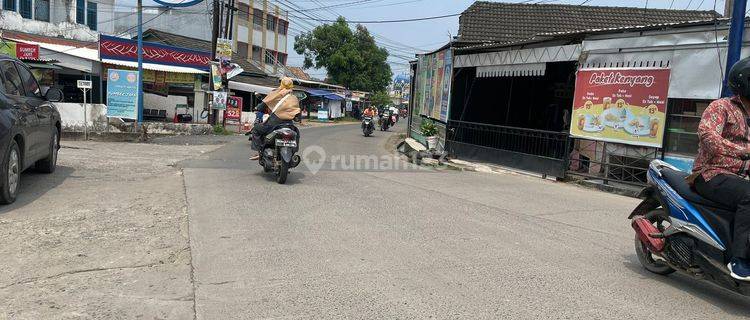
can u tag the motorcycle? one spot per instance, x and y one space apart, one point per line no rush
394 118
367 126
278 153
403 113
677 229
385 122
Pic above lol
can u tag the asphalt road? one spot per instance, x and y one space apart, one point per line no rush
384 243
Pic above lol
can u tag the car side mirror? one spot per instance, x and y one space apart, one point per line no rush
54 95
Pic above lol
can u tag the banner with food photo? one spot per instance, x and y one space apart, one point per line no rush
621 105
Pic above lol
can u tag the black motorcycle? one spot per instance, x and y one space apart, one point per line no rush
278 153
367 126
385 122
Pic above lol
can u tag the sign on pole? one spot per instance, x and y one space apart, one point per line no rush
223 49
621 105
122 94
83 84
219 100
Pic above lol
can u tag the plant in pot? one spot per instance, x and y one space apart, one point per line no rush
429 131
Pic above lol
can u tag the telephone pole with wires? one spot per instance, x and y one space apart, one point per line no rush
736 31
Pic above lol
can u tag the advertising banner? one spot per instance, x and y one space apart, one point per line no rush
126 49
23 51
223 49
216 79
433 84
219 101
621 105
122 93
234 108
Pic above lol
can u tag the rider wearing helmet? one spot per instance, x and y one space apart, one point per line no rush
721 166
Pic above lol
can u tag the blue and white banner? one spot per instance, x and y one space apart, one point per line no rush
122 94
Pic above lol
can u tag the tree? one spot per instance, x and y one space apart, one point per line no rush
381 98
352 58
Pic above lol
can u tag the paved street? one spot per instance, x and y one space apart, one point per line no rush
119 233
406 244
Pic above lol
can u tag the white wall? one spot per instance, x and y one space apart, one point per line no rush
72 115
168 103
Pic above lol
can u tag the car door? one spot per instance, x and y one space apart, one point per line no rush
42 132
26 119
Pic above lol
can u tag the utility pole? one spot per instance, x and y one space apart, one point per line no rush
736 30
728 7
140 63
214 36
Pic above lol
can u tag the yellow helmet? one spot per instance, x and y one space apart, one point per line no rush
286 83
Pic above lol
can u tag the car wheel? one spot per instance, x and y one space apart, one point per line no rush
48 165
11 174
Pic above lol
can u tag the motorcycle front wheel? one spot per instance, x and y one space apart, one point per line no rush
644 254
283 172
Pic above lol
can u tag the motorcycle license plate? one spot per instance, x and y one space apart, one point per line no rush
285 143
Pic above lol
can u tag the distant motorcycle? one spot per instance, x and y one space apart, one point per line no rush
385 122
278 153
394 118
403 113
367 126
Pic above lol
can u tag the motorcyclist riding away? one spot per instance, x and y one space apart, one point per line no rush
721 167
282 105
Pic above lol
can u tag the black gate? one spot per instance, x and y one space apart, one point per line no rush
532 150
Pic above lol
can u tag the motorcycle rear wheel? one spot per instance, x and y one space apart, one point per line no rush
644 255
283 172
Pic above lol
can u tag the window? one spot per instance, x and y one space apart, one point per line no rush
41 10
25 8
80 11
9 5
242 49
270 56
283 26
243 11
91 15
257 19
11 79
282 59
257 53
271 23
683 116
29 83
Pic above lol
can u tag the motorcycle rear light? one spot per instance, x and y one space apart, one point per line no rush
646 232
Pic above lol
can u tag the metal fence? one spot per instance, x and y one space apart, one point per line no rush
611 162
527 149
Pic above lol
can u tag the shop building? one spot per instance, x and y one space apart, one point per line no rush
507 96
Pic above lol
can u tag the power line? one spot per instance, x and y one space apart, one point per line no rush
391 21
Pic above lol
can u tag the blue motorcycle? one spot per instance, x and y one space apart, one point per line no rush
676 229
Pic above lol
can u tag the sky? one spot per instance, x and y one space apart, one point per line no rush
404 38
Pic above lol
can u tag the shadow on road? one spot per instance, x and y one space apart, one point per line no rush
35 185
723 299
291 179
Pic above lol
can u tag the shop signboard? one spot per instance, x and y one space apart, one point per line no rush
22 51
122 93
626 106
126 49
433 84
234 108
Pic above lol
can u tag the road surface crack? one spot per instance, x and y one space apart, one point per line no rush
72 272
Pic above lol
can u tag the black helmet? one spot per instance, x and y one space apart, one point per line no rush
738 78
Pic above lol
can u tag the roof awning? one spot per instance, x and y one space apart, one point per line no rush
154 67
512 70
323 93
520 56
34 65
249 87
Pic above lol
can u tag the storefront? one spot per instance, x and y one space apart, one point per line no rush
173 77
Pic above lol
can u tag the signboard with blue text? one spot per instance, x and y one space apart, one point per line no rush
122 94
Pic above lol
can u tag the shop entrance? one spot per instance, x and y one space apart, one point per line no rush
518 121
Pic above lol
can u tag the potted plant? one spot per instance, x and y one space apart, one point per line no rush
429 131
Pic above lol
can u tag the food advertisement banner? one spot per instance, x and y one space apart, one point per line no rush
621 105
433 84
19 50
122 94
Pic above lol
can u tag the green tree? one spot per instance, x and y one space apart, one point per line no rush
352 58
380 98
